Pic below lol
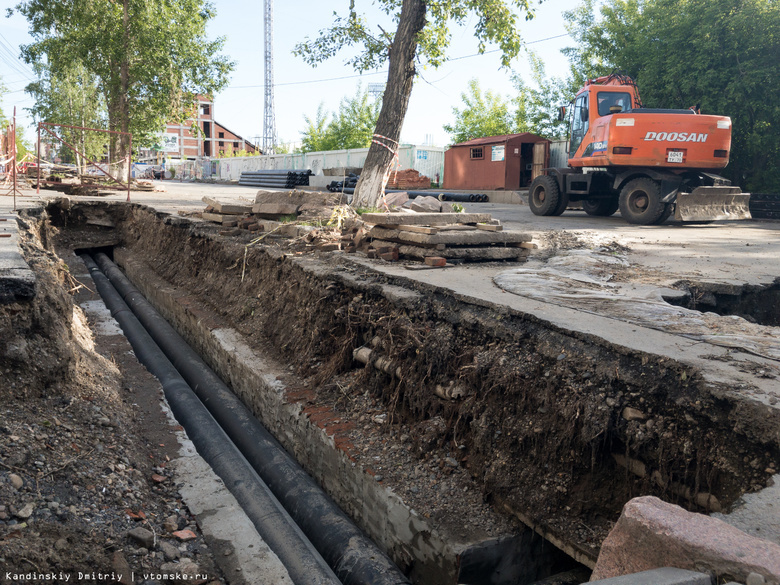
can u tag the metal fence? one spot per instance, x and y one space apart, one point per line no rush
428 160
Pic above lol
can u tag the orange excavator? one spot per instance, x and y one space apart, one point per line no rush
649 163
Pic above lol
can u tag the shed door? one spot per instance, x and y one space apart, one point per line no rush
540 158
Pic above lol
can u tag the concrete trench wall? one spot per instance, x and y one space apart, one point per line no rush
587 389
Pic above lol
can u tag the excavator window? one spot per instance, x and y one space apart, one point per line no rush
611 102
579 123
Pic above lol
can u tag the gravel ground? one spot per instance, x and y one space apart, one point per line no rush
86 493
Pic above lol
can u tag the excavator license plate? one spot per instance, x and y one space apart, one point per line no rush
712 203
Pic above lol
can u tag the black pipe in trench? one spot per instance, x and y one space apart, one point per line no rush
354 558
304 565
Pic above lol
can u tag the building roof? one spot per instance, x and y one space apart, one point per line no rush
238 136
526 136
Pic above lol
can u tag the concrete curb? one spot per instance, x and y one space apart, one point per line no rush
17 281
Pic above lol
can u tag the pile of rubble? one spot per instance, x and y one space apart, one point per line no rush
423 229
294 205
469 237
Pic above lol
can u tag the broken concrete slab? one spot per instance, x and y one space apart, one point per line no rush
225 220
453 238
664 576
426 204
298 197
484 254
275 209
17 281
226 208
651 534
401 218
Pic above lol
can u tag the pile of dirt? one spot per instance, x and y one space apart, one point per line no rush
84 483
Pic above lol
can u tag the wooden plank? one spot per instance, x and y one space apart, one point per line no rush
456 227
528 245
489 227
226 208
400 218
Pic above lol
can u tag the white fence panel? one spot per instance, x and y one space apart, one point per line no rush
428 160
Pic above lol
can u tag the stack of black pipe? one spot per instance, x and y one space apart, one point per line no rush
275 178
765 205
348 183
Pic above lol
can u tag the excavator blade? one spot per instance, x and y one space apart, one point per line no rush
712 203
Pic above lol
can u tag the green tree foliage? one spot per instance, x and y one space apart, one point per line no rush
149 58
351 127
485 114
537 105
720 55
421 36
71 97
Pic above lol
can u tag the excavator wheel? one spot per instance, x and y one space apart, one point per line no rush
600 207
545 198
640 202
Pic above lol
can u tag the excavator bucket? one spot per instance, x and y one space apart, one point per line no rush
712 203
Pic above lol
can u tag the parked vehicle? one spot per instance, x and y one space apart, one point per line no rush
648 163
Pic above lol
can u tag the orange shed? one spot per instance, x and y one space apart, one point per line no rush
506 162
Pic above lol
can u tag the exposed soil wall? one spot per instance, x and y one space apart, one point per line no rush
77 452
557 429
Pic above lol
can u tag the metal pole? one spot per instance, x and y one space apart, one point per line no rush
13 155
38 184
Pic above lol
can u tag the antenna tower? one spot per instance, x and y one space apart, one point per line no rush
269 118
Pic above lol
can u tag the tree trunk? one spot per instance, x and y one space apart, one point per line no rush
123 152
400 77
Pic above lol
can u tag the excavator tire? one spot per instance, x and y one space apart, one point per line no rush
563 203
545 198
600 207
640 202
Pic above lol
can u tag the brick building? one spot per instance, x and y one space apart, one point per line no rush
178 142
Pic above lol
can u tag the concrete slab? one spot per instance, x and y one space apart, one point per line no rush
400 218
17 281
664 576
452 238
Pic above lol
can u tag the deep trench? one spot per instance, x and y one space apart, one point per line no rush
757 304
541 424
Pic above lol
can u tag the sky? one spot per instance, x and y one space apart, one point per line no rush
299 89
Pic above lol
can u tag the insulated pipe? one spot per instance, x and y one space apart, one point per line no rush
352 555
303 563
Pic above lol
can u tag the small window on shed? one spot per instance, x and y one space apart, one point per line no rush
235 145
476 152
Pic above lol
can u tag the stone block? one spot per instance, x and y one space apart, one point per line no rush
426 205
651 534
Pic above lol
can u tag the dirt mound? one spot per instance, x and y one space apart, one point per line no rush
78 469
